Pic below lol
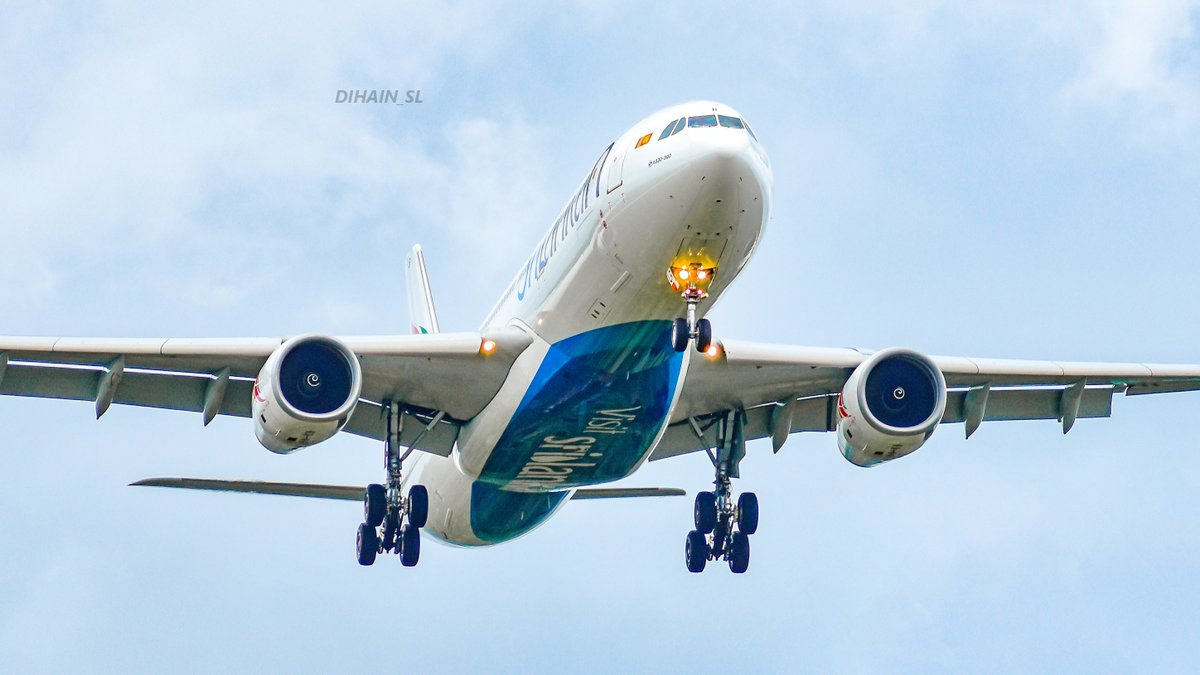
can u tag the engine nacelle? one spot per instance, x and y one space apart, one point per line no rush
305 393
890 406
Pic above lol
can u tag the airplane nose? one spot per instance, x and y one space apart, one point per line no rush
725 156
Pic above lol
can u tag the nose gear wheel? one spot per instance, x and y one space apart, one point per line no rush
691 285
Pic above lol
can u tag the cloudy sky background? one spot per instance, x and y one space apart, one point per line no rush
1008 180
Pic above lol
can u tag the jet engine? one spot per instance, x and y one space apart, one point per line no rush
305 393
890 406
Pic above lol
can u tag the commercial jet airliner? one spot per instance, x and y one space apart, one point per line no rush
596 359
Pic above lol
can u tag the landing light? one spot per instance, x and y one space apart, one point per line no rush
683 273
487 346
701 274
712 351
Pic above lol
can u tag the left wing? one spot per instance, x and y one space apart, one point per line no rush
214 376
358 492
786 389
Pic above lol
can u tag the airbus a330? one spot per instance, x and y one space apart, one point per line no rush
596 359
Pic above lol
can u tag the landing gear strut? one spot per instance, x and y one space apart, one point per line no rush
723 525
392 522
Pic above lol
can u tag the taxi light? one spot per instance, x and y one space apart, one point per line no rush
712 351
487 346
683 273
702 274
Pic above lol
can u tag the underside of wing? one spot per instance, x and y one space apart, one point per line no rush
785 389
216 376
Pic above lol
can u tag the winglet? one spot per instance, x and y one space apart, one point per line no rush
421 314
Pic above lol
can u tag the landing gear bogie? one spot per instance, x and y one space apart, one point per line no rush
723 524
391 521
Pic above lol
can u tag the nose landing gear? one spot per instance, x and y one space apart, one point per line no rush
691 280
723 525
392 522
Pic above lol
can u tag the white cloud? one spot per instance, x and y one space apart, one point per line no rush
216 132
1141 56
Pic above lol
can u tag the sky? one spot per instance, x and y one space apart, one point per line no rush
1002 179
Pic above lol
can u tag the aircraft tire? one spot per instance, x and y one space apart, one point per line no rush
705 512
695 552
418 506
367 545
747 513
410 546
374 505
739 552
679 335
703 335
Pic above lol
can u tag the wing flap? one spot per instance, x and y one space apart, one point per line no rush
172 391
1006 405
819 413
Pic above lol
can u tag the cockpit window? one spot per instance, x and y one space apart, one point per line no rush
747 125
679 125
702 121
667 131
731 122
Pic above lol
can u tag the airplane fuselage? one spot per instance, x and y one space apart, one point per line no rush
589 399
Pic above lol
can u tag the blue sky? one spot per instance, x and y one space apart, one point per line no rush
992 179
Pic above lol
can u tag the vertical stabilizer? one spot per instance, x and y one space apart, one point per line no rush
422 318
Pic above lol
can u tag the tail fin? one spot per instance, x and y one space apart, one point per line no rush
421 315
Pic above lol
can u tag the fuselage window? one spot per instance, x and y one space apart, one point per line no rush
702 121
731 122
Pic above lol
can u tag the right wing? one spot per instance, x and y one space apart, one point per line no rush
447 373
787 389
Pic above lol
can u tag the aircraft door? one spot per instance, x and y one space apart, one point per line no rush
615 167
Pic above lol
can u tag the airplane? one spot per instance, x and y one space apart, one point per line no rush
596 358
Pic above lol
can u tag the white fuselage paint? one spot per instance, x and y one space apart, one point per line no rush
606 264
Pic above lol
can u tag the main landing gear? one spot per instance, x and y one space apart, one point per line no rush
691 281
723 525
392 522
